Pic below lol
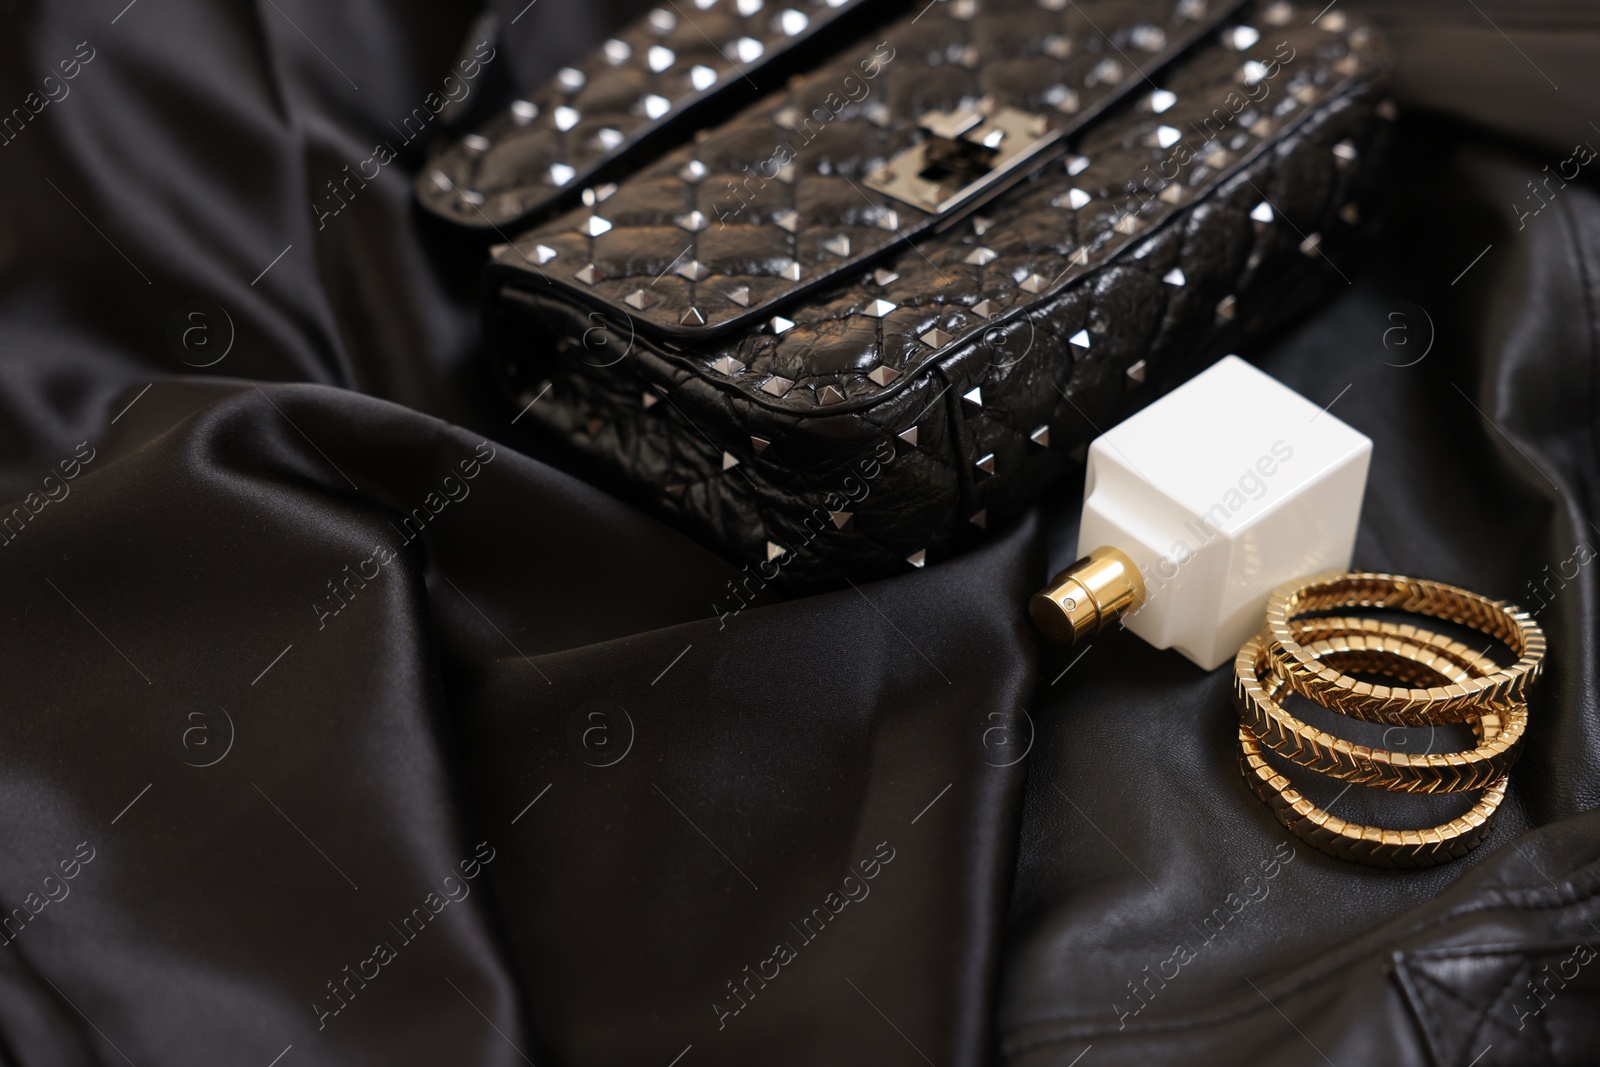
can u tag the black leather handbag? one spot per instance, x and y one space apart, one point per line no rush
842 328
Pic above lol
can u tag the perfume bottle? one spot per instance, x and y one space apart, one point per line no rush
1198 506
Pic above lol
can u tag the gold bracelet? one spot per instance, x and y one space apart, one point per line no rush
1368 645
1455 702
1365 844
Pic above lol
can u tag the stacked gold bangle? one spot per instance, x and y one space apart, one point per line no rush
1440 681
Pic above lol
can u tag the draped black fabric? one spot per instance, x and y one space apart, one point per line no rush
345 723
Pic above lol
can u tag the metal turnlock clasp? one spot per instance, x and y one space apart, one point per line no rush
966 152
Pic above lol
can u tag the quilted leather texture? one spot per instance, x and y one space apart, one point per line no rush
1512 1005
896 412
649 76
727 231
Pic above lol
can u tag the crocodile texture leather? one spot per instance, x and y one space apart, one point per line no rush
896 398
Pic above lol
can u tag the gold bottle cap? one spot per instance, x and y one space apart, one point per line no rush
1087 597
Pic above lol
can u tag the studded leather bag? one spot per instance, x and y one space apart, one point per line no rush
846 327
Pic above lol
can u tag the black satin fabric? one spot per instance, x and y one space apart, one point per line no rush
345 723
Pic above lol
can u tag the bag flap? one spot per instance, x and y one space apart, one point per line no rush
798 192
653 75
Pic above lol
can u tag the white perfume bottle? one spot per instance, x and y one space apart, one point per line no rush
1198 506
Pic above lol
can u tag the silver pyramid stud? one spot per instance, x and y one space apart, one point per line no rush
919 558
830 394
980 518
1164 137
879 308
694 221
543 254
729 461
839 246
1176 277
1076 165
607 138
1278 14
759 444
935 338
774 550
496 251
1079 339
663 21
908 436
616 52
791 271
659 58
986 309
524 111
740 296
1242 37
471 196
1129 224
599 193
882 375
1309 246
781 324
1041 436
776 386
565 117
1137 372
1034 283
787 220
727 365
888 219
691 317
1262 212
985 464
840 518
441 181
786 173
1162 99
1344 154
561 174
972 399
589 274
640 300
1226 308
649 400
981 224
694 270
570 78
1174 193
792 23
655 106
1072 199
980 256
885 277
748 49
594 226
1080 257
476 143
692 171
702 78
1063 99
788 116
